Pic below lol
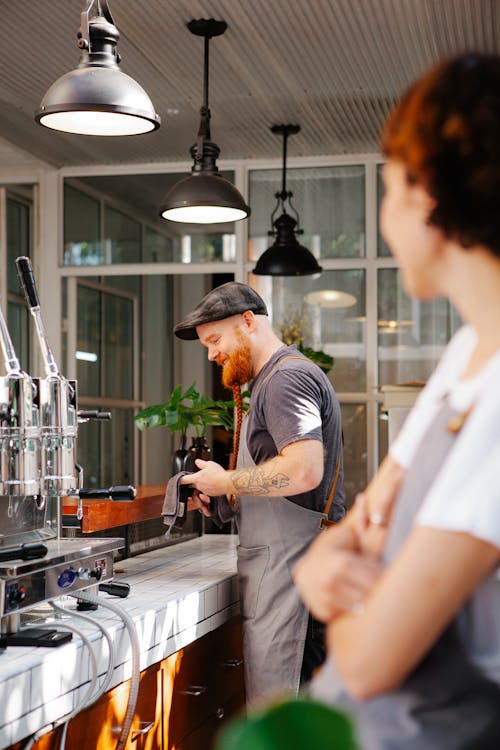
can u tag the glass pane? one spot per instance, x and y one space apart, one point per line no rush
18 324
117 359
135 232
382 247
88 354
18 240
326 313
204 248
157 247
355 449
411 334
122 238
330 202
82 237
18 243
114 440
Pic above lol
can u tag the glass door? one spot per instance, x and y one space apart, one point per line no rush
107 373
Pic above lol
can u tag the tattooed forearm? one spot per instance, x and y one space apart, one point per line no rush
258 480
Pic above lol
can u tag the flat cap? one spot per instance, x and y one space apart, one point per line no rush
222 302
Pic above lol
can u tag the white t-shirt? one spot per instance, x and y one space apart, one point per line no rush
465 495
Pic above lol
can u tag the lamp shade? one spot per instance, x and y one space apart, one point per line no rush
204 198
331 298
97 101
286 257
97 98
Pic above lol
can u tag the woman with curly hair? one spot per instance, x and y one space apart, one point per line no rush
409 582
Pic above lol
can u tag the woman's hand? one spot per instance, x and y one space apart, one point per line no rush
373 508
333 577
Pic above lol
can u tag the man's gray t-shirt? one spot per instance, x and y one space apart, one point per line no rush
296 401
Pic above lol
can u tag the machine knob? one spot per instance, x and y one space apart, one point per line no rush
67 578
17 595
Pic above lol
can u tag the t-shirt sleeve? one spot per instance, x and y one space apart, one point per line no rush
465 496
292 408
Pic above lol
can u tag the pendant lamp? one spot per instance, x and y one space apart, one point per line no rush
97 98
205 197
286 257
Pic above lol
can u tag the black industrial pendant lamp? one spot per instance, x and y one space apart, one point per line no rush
286 257
205 197
97 98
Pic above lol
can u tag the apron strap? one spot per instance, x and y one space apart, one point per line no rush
277 364
324 521
332 488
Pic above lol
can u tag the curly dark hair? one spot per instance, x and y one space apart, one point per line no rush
446 131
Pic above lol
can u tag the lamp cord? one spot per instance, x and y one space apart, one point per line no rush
205 74
283 195
204 129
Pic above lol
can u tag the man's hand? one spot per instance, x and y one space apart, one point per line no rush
210 481
199 501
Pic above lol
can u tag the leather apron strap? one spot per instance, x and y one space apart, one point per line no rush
325 522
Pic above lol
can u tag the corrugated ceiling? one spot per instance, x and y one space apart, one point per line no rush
334 66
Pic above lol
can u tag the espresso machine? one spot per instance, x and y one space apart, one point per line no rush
39 421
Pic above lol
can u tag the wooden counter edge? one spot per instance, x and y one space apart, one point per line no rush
106 514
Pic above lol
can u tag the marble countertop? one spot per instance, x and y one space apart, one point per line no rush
177 594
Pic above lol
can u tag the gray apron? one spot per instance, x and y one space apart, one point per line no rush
446 703
273 534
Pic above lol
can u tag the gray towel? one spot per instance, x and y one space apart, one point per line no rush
171 503
221 511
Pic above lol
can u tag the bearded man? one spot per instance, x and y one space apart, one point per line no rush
287 484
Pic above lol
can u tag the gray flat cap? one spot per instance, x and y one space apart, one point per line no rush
222 302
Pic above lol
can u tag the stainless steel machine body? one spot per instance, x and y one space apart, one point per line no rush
38 467
70 565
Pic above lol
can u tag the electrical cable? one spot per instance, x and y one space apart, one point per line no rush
64 720
111 650
109 672
136 665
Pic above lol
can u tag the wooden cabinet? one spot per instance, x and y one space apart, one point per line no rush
182 701
203 686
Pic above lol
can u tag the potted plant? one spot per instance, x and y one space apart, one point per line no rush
184 410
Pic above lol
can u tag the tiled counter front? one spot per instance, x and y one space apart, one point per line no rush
177 595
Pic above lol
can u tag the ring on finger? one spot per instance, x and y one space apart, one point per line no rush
377 519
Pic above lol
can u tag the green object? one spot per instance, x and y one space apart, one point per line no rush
187 409
290 725
322 359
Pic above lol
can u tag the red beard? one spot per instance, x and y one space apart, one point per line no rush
238 368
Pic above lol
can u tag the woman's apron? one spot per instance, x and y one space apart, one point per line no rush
273 534
446 703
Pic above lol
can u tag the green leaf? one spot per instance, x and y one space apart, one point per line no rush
290 725
189 409
322 359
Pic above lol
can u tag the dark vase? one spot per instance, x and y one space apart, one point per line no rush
178 457
198 449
